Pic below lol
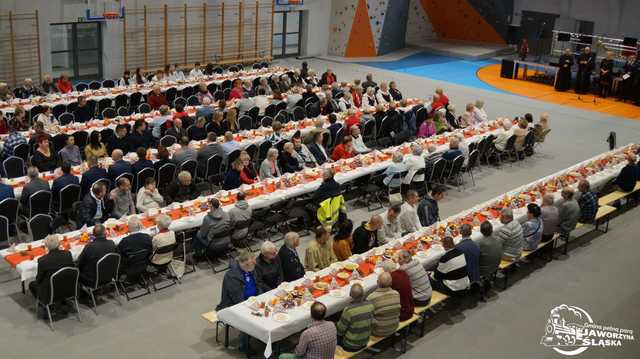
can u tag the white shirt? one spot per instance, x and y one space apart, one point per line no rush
381 99
409 220
48 121
176 76
480 115
196 73
359 146
345 104
261 102
391 230
366 103
413 163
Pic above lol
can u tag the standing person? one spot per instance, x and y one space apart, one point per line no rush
588 202
292 268
386 304
523 49
354 326
586 63
342 241
630 76
450 277
549 217
365 236
428 209
563 79
319 340
268 272
533 228
606 74
319 255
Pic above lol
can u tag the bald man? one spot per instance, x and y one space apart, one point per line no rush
386 304
119 165
354 327
365 236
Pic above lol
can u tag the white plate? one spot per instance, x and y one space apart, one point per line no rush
285 286
250 301
422 254
22 247
281 317
337 293
310 275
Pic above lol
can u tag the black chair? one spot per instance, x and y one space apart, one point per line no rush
109 112
218 70
193 101
369 132
212 87
163 268
282 117
81 86
72 106
232 157
218 247
166 174
226 84
437 172
298 113
170 94
81 138
106 135
126 175
455 171
144 108
168 141
58 110
40 226
66 118
4 232
9 209
270 110
233 68
67 196
245 122
63 285
121 101
104 104
253 112
13 167
142 176
252 149
419 185
40 203
529 143
108 84
123 111
95 85
262 152
107 270
256 66
22 151
266 121
134 268
472 162
421 115
134 101
186 92
59 141
509 150
226 93
311 110
190 166
218 95
213 168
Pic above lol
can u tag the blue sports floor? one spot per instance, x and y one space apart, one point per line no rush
441 68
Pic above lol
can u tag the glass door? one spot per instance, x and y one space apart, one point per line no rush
76 50
286 33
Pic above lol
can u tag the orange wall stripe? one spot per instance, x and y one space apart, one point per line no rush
361 37
458 20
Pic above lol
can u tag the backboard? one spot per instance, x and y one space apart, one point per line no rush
102 10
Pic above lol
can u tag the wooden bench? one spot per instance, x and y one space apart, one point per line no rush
616 196
602 216
504 264
403 327
212 317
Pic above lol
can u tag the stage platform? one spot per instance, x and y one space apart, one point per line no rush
465 50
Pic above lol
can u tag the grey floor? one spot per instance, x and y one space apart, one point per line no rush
599 274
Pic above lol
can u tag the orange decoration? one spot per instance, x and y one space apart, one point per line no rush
361 37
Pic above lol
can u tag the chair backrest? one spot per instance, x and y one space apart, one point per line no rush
397 176
214 164
81 138
529 140
108 83
40 226
144 108
58 110
14 167
186 92
473 159
226 93
40 202
456 166
511 143
245 122
9 209
282 117
382 125
298 113
103 104
59 141
369 130
326 139
4 229
22 151
123 111
81 86
226 84
106 135
543 135
142 176
420 172
473 146
252 149
171 94
421 115
437 170
63 284
218 95
109 112
179 100
67 196
270 110
95 85
262 152
107 269
126 175
266 121
212 87
193 101
339 137
190 166
121 100
232 157
134 263
66 118
311 110
169 248
168 141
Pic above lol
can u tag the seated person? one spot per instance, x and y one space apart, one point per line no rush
510 234
230 144
119 166
181 189
533 228
450 277
453 152
292 267
628 176
95 207
148 196
354 326
358 141
500 142
92 253
289 160
400 283
94 173
342 241
164 237
269 167
95 147
43 157
490 252
119 140
249 175
268 271
142 161
386 307
216 222
122 199
568 212
184 153
34 185
239 281
390 173
328 189
232 179
54 260
319 337
418 277
365 236
319 255
471 252
588 202
343 150
198 132
414 163
70 152
318 150
135 240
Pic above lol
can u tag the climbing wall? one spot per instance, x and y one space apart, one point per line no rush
393 32
459 20
377 10
342 15
361 42
419 29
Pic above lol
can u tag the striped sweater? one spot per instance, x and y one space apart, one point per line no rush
452 270
512 238
420 285
386 313
354 325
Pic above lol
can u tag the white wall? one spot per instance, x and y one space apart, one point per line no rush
315 26
612 18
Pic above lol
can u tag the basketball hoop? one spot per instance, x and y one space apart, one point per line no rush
111 15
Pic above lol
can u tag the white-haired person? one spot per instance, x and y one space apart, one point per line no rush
369 98
269 167
414 162
148 196
409 220
268 270
345 103
391 178
511 235
479 114
386 304
503 136
290 262
549 217
156 98
54 260
164 237
468 119
382 95
358 141
181 189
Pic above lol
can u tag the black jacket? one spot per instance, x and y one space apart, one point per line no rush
268 275
134 242
179 193
292 268
90 176
47 265
364 239
315 150
136 140
233 287
327 189
117 168
90 255
288 163
88 208
82 114
627 178
118 143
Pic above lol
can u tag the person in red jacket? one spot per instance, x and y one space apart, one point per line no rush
444 99
356 96
156 98
343 150
353 119
64 85
237 92
328 77
402 284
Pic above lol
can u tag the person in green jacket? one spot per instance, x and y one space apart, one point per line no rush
354 327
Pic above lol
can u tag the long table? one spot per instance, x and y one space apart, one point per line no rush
189 215
269 330
111 93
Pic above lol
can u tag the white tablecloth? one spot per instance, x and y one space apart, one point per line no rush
269 331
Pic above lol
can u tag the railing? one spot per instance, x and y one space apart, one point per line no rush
20 47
